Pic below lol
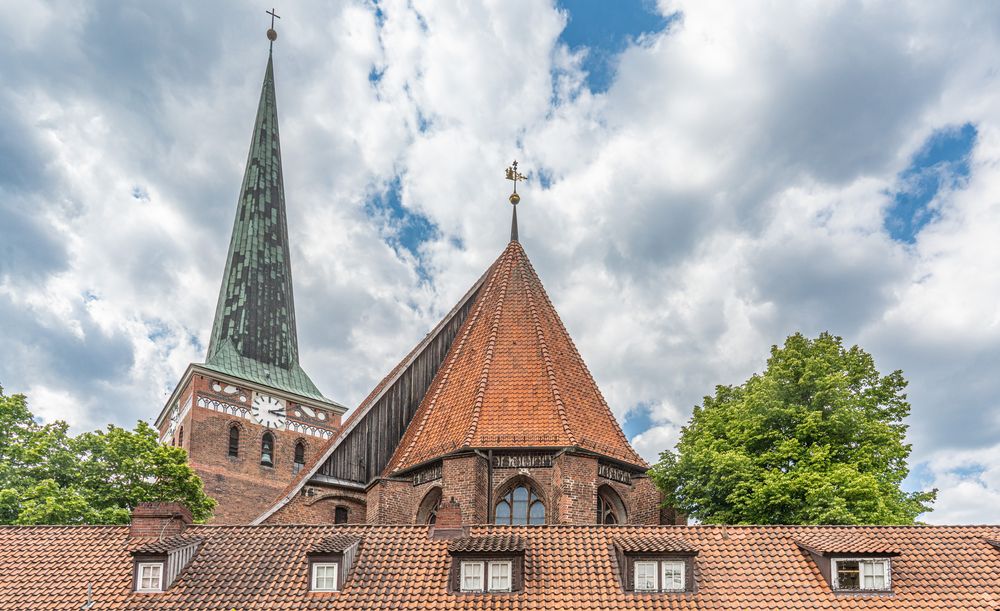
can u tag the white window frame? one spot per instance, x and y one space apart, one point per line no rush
671 564
887 573
139 577
635 576
508 566
463 574
314 577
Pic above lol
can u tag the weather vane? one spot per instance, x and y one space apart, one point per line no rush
271 34
514 175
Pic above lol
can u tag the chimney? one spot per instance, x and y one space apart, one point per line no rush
159 520
448 522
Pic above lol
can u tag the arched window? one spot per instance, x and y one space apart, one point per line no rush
234 441
180 437
267 450
340 515
300 457
427 514
610 509
520 505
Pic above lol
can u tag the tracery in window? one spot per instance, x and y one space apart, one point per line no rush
610 509
520 505
427 512
267 450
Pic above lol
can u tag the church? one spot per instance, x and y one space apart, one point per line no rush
484 471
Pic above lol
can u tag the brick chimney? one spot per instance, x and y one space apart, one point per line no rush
159 520
448 522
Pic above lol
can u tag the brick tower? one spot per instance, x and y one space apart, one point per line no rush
249 416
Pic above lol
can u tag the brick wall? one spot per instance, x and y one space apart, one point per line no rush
243 487
318 505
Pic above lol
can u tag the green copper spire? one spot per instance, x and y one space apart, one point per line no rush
254 335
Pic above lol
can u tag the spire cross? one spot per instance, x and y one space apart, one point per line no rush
273 16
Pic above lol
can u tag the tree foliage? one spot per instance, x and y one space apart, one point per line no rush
48 476
818 438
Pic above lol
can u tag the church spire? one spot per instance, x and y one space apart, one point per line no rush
254 334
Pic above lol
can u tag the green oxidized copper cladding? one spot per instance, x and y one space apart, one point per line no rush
254 336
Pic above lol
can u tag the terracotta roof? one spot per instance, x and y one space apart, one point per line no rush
846 542
490 543
512 378
654 544
334 543
400 567
167 545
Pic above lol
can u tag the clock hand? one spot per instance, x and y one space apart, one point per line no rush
279 411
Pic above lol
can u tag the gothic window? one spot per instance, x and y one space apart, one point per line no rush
610 509
340 515
234 441
180 437
267 450
427 513
520 505
300 457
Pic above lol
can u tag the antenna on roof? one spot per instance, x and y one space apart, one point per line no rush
514 175
90 597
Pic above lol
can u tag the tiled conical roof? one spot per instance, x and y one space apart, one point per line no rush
512 379
254 335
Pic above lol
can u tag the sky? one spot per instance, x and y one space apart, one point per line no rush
705 178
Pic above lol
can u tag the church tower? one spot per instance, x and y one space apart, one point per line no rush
249 416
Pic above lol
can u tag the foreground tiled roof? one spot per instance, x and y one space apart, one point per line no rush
841 541
505 542
644 542
166 545
566 567
512 378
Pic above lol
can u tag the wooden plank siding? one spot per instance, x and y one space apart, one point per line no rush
363 454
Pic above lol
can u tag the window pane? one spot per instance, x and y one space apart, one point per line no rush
673 575
520 493
645 575
325 576
848 575
472 576
340 515
500 576
503 513
537 513
234 441
149 576
873 573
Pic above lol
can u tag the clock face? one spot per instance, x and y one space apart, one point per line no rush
269 411
175 416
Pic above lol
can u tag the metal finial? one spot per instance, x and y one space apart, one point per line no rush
271 34
514 175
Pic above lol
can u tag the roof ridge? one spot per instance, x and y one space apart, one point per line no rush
553 385
586 369
488 360
446 372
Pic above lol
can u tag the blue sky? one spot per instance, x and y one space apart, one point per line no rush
706 178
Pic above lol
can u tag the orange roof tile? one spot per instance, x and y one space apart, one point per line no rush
512 378
566 567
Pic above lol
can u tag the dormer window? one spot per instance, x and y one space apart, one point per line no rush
158 564
324 576
655 575
489 564
149 577
855 574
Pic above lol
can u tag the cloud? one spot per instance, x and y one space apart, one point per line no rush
729 184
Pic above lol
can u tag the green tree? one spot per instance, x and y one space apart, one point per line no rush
48 476
818 438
